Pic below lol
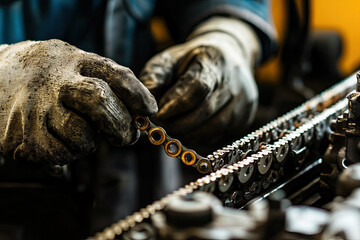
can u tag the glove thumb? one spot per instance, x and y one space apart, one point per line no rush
158 72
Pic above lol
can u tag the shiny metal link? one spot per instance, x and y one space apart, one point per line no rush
225 182
240 162
266 159
173 148
281 149
244 173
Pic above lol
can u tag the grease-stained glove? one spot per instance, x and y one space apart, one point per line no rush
205 87
55 97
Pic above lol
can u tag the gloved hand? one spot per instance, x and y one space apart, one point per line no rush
54 98
205 87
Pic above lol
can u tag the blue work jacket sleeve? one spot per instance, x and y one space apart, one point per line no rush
183 16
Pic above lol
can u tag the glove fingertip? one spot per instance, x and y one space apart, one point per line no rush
150 82
127 138
158 72
165 113
144 104
152 106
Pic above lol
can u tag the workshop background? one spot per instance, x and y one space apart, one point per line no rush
340 16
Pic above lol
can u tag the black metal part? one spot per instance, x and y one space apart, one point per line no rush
295 187
344 148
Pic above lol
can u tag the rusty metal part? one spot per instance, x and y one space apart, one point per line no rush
188 157
173 147
157 135
203 166
141 123
247 177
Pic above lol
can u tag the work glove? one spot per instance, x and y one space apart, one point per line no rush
205 87
55 98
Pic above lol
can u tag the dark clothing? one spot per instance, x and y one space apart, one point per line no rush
112 28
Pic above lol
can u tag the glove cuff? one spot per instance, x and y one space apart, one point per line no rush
244 35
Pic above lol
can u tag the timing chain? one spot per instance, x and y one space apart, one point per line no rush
240 170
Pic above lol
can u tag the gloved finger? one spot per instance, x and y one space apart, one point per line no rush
49 149
209 133
94 98
214 104
228 122
13 134
224 124
31 140
201 71
72 130
122 81
158 72
40 146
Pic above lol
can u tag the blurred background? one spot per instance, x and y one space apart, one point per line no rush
329 15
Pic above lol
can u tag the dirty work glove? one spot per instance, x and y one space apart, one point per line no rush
205 87
55 97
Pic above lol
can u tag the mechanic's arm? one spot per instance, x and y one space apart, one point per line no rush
55 98
205 87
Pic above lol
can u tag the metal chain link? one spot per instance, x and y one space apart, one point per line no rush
242 169
173 147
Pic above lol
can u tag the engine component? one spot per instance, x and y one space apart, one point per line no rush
201 216
344 148
172 147
244 169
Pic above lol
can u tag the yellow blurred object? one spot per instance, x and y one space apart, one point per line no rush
161 33
342 16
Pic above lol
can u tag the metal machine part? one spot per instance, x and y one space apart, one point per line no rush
344 147
345 213
256 162
172 147
201 215
224 223
335 156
